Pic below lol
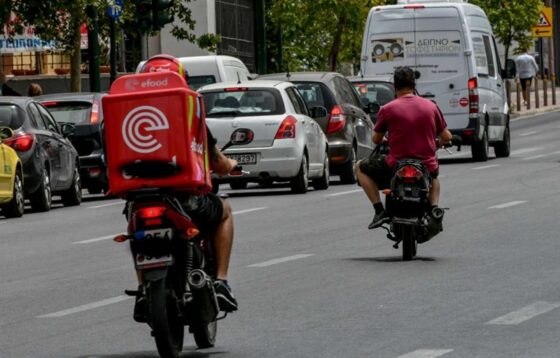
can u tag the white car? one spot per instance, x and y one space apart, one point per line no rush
288 144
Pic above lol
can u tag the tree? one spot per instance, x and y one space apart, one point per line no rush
60 20
511 21
318 34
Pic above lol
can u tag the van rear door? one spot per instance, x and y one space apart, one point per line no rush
431 41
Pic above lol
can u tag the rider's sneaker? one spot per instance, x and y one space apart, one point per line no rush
378 220
140 306
226 301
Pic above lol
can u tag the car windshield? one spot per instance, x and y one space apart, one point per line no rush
195 82
231 102
312 93
69 112
378 92
11 116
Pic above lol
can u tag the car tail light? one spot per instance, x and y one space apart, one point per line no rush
337 120
414 6
409 173
21 143
473 98
236 89
49 103
287 129
94 117
152 215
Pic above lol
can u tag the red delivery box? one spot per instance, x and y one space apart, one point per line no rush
155 135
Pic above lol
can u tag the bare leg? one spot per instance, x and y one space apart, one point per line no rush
223 241
369 186
434 192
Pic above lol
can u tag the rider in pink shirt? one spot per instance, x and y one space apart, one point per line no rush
413 124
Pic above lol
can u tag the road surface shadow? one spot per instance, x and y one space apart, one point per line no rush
191 353
389 259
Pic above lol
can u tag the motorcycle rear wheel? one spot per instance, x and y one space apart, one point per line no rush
168 328
408 243
205 333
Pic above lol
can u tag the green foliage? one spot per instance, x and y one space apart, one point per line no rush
317 34
512 20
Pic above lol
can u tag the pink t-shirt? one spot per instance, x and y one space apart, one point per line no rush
412 123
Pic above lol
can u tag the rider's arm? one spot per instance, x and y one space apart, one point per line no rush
221 164
445 136
378 137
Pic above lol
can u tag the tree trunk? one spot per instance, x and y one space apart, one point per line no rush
76 59
335 48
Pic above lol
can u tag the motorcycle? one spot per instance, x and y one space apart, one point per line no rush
176 264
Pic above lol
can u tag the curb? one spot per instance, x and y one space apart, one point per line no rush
516 116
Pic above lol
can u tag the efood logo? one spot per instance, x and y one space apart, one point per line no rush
148 119
149 83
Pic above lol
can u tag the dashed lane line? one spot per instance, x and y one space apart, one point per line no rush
86 307
426 353
344 193
526 150
109 237
281 260
535 157
486 167
507 205
525 313
528 133
106 205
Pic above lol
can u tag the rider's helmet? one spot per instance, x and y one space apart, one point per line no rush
404 77
163 63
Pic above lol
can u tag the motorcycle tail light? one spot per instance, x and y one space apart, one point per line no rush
409 173
21 143
152 215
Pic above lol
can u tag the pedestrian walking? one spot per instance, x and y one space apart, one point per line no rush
34 90
527 68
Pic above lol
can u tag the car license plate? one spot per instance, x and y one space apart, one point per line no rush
244 158
165 234
144 261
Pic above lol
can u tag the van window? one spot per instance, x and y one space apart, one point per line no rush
480 55
195 82
489 57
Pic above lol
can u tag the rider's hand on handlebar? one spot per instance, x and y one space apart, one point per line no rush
233 164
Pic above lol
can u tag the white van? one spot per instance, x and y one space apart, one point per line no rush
451 47
204 70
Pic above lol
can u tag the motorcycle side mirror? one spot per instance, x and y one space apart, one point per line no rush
241 136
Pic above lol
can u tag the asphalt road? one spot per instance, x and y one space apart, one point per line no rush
310 279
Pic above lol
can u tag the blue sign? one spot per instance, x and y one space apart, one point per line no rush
115 9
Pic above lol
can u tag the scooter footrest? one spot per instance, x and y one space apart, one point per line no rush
133 293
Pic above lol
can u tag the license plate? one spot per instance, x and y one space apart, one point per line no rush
244 158
164 234
144 261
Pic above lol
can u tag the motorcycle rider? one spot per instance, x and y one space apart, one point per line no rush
210 213
413 123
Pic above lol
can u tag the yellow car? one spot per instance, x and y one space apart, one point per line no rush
12 200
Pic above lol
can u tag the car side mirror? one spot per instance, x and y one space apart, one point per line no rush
5 133
67 129
365 104
374 107
510 71
319 112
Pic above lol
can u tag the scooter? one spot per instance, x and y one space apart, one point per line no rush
176 266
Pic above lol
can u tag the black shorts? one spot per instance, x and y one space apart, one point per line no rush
377 169
525 82
206 213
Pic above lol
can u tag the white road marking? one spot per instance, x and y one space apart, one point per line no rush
454 155
102 238
507 205
344 193
526 313
526 150
281 260
528 133
426 353
486 167
105 205
86 307
535 157
248 210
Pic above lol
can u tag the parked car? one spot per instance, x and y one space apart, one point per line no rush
50 162
347 124
288 145
84 112
205 70
12 202
374 93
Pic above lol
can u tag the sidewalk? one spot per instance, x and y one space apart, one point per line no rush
524 112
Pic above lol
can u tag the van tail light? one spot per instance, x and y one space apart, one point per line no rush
337 120
287 129
473 98
152 215
409 173
94 116
21 143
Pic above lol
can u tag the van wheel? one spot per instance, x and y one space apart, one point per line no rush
502 148
481 148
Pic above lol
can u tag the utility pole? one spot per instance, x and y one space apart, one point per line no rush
93 49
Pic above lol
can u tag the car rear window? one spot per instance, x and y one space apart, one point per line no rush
11 116
243 102
381 93
69 112
312 93
195 82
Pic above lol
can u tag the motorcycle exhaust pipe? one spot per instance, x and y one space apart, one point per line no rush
437 213
204 297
